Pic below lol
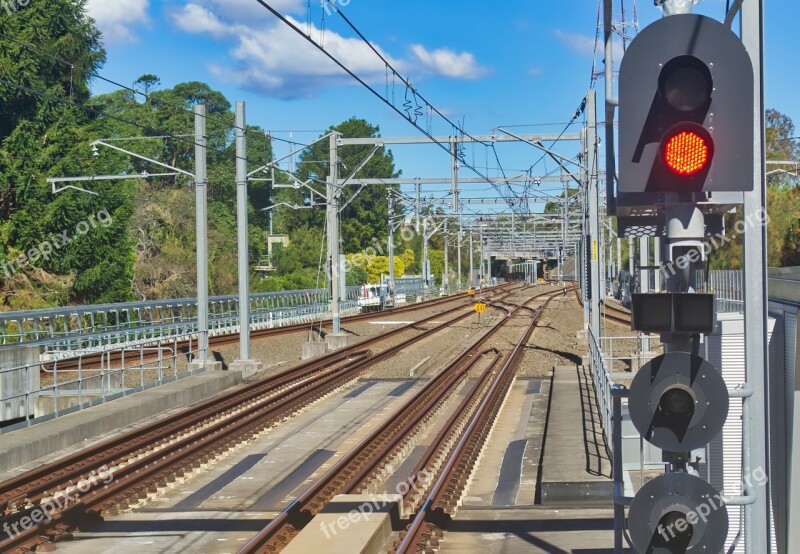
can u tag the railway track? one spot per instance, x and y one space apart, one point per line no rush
365 462
455 452
100 360
609 312
121 472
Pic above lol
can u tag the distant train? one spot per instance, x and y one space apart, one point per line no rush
373 297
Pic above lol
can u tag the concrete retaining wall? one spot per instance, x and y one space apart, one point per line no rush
30 444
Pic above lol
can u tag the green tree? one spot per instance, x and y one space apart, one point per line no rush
364 220
408 260
379 265
782 201
53 49
437 263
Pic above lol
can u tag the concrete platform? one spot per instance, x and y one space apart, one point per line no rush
350 524
530 531
30 444
576 466
218 508
508 470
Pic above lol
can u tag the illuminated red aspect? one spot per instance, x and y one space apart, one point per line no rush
686 153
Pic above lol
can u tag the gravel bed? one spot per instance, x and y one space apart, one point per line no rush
554 341
277 353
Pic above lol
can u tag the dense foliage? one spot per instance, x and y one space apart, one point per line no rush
135 239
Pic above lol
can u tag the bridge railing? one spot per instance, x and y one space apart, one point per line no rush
48 327
80 356
603 380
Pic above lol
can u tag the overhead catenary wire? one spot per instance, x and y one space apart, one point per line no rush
100 77
99 112
371 89
405 81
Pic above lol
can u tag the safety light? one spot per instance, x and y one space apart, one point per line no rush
686 152
685 91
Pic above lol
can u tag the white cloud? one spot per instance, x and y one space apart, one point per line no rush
586 45
575 42
197 19
447 63
118 20
249 11
271 58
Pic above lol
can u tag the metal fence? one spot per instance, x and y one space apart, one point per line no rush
84 355
105 325
728 286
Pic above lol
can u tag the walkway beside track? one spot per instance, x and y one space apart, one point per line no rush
32 444
577 465
576 511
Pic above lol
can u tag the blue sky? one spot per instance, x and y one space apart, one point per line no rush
516 62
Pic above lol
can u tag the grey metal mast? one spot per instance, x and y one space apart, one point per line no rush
201 226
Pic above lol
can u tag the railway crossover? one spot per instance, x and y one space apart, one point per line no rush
139 463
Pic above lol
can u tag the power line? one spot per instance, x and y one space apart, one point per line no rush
106 79
376 93
405 81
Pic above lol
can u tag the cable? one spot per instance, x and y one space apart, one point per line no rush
96 111
104 79
578 113
375 92
404 80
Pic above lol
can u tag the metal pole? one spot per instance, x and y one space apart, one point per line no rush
631 256
470 280
594 208
333 232
617 468
201 225
417 185
242 234
445 278
454 174
611 103
564 228
488 263
481 274
458 250
601 252
391 244
585 251
426 270
644 282
657 254
757 523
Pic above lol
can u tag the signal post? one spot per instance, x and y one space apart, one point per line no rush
686 95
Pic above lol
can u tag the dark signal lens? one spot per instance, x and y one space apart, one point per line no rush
685 83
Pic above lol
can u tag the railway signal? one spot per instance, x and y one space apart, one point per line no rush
678 402
685 109
686 97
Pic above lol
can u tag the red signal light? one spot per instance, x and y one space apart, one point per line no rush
687 152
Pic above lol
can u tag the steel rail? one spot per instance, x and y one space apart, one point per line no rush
95 361
307 390
445 492
353 468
